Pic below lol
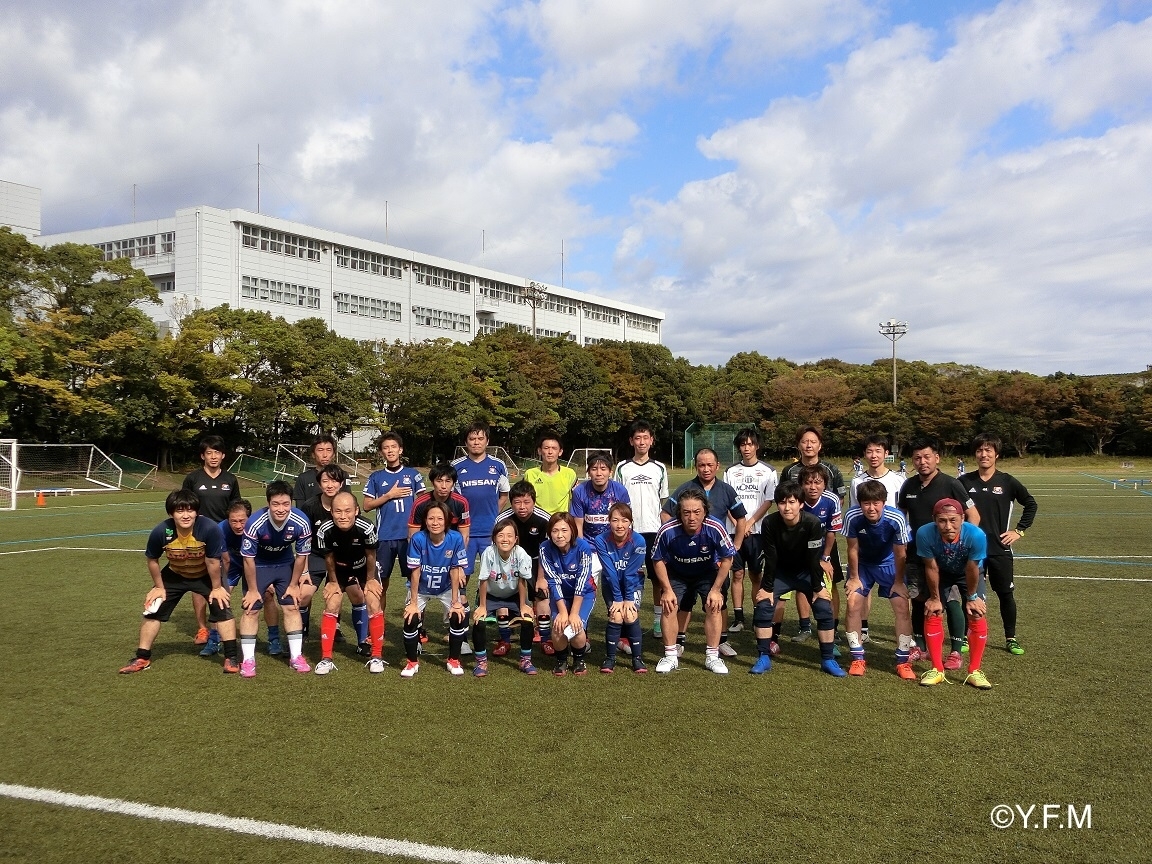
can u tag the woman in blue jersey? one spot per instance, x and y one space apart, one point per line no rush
621 552
569 565
436 557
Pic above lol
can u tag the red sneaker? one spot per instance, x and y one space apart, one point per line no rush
857 667
201 637
137 665
549 648
501 649
231 667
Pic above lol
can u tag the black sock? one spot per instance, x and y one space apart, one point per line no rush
143 653
611 637
739 615
764 645
863 625
805 625
229 648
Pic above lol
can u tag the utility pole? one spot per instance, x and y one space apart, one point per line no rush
893 330
534 294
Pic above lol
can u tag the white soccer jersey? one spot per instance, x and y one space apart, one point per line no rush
647 487
892 481
754 484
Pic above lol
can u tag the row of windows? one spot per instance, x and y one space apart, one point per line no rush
272 291
369 262
442 320
601 313
559 304
642 322
369 307
138 247
281 243
438 277
500 291
164 283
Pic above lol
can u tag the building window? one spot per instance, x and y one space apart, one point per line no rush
442 320
281 243
642 322
164 283
368 262
595 312
559 304
369 307
500 291
273 291
438 277
133 247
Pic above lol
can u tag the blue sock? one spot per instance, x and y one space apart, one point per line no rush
360 622
826 650
273 632
611 637
504 633
764 644
806 624
546 631
633 633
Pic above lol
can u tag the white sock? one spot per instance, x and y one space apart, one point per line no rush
295 644
248 648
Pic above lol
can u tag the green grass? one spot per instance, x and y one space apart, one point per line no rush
693 767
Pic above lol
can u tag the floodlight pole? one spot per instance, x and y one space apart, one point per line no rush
893 330
534 294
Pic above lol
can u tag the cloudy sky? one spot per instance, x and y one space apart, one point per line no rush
775 175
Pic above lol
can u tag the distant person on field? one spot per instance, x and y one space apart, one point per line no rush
755 483
552 481
993 492
322 453
647 483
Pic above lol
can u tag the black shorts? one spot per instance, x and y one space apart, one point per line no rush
649 545
914 578
344 578
801 583
687 592
1000 572
750 555
837 568
176 587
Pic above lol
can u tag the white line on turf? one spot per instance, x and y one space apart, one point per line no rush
1082 578
70 549
258 828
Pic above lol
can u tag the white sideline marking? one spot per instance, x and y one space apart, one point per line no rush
258 828
1083 578
70 549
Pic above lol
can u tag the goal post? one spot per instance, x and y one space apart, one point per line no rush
66 468
578 458
9 474
497 453
291 459
134 473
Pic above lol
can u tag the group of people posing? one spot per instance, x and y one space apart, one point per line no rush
545 549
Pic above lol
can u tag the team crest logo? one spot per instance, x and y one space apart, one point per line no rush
448 554
997 490
491 469
225 487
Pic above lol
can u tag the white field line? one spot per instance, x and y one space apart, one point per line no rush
1082 578
258 828
70 549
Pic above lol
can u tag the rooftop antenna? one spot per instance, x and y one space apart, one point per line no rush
257 178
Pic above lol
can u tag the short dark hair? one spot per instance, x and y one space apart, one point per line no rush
443 508
599 456
441 469
181 499
640 426
788 489
990 439
391 436
240 504
924 443
276 488
211 442
563 516
804 430
521 488
696 456
817 470
501 525
746 435
692 494
322 439
548 436
479 426
623 509
871 490
878 441
333 472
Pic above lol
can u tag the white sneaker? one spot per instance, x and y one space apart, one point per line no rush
410 669
667 664
375 666
324 667
865 637
726 650
454 667
715 664
736 627
465 648
679 650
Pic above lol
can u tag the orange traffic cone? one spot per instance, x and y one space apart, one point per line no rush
40 499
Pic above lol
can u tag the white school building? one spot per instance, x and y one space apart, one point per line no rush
203 257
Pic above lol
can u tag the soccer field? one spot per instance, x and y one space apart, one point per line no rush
692 767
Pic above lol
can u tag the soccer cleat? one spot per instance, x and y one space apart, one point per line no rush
137 665
300 665
210 649
716 664
608 666
454 667
865 637
978 680
679 649
561 669
763 664
964 645
835 650
526 666
932 677
774 648
375 665
339 637
248 669
501 649
624 647
364 649
857 668
325 666
1013 646
465 649
423 636
201 637
667 664
410 669
905 671
727 650
638 665
802 636
737 627
480 670
916 654
833 668
579 667
274 647
954 661
231 667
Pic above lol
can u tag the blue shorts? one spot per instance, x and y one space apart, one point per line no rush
585 607
278 576
882 575
687 592
492 605
476 547
387 554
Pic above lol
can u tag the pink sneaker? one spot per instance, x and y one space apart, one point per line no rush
954 661
248 669
916 655
300 664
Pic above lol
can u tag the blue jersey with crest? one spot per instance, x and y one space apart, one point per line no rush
435 560
482 483
876 539
593 506
392 516
271 545
623 566
570 573
690 557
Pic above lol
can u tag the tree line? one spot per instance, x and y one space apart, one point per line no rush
80 362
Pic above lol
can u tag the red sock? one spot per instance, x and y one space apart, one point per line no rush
977 639
934 637
327 634
376 633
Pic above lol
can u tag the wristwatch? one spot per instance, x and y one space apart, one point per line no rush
972 597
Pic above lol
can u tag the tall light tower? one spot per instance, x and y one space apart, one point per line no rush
534 294
893 330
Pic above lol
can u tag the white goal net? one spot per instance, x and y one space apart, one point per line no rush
9 474
291 459
65 468
578 460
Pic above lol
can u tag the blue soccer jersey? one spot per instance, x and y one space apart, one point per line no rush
392 516
271 544
593 506
692 557
482 483
827 510
876 539
952 558
623 566
436 560
570 573
232 542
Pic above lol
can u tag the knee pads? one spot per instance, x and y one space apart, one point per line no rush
822 612
762 614
412 623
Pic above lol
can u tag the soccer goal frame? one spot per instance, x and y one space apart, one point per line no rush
496 452
66 469
9 474
578 458
291 459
